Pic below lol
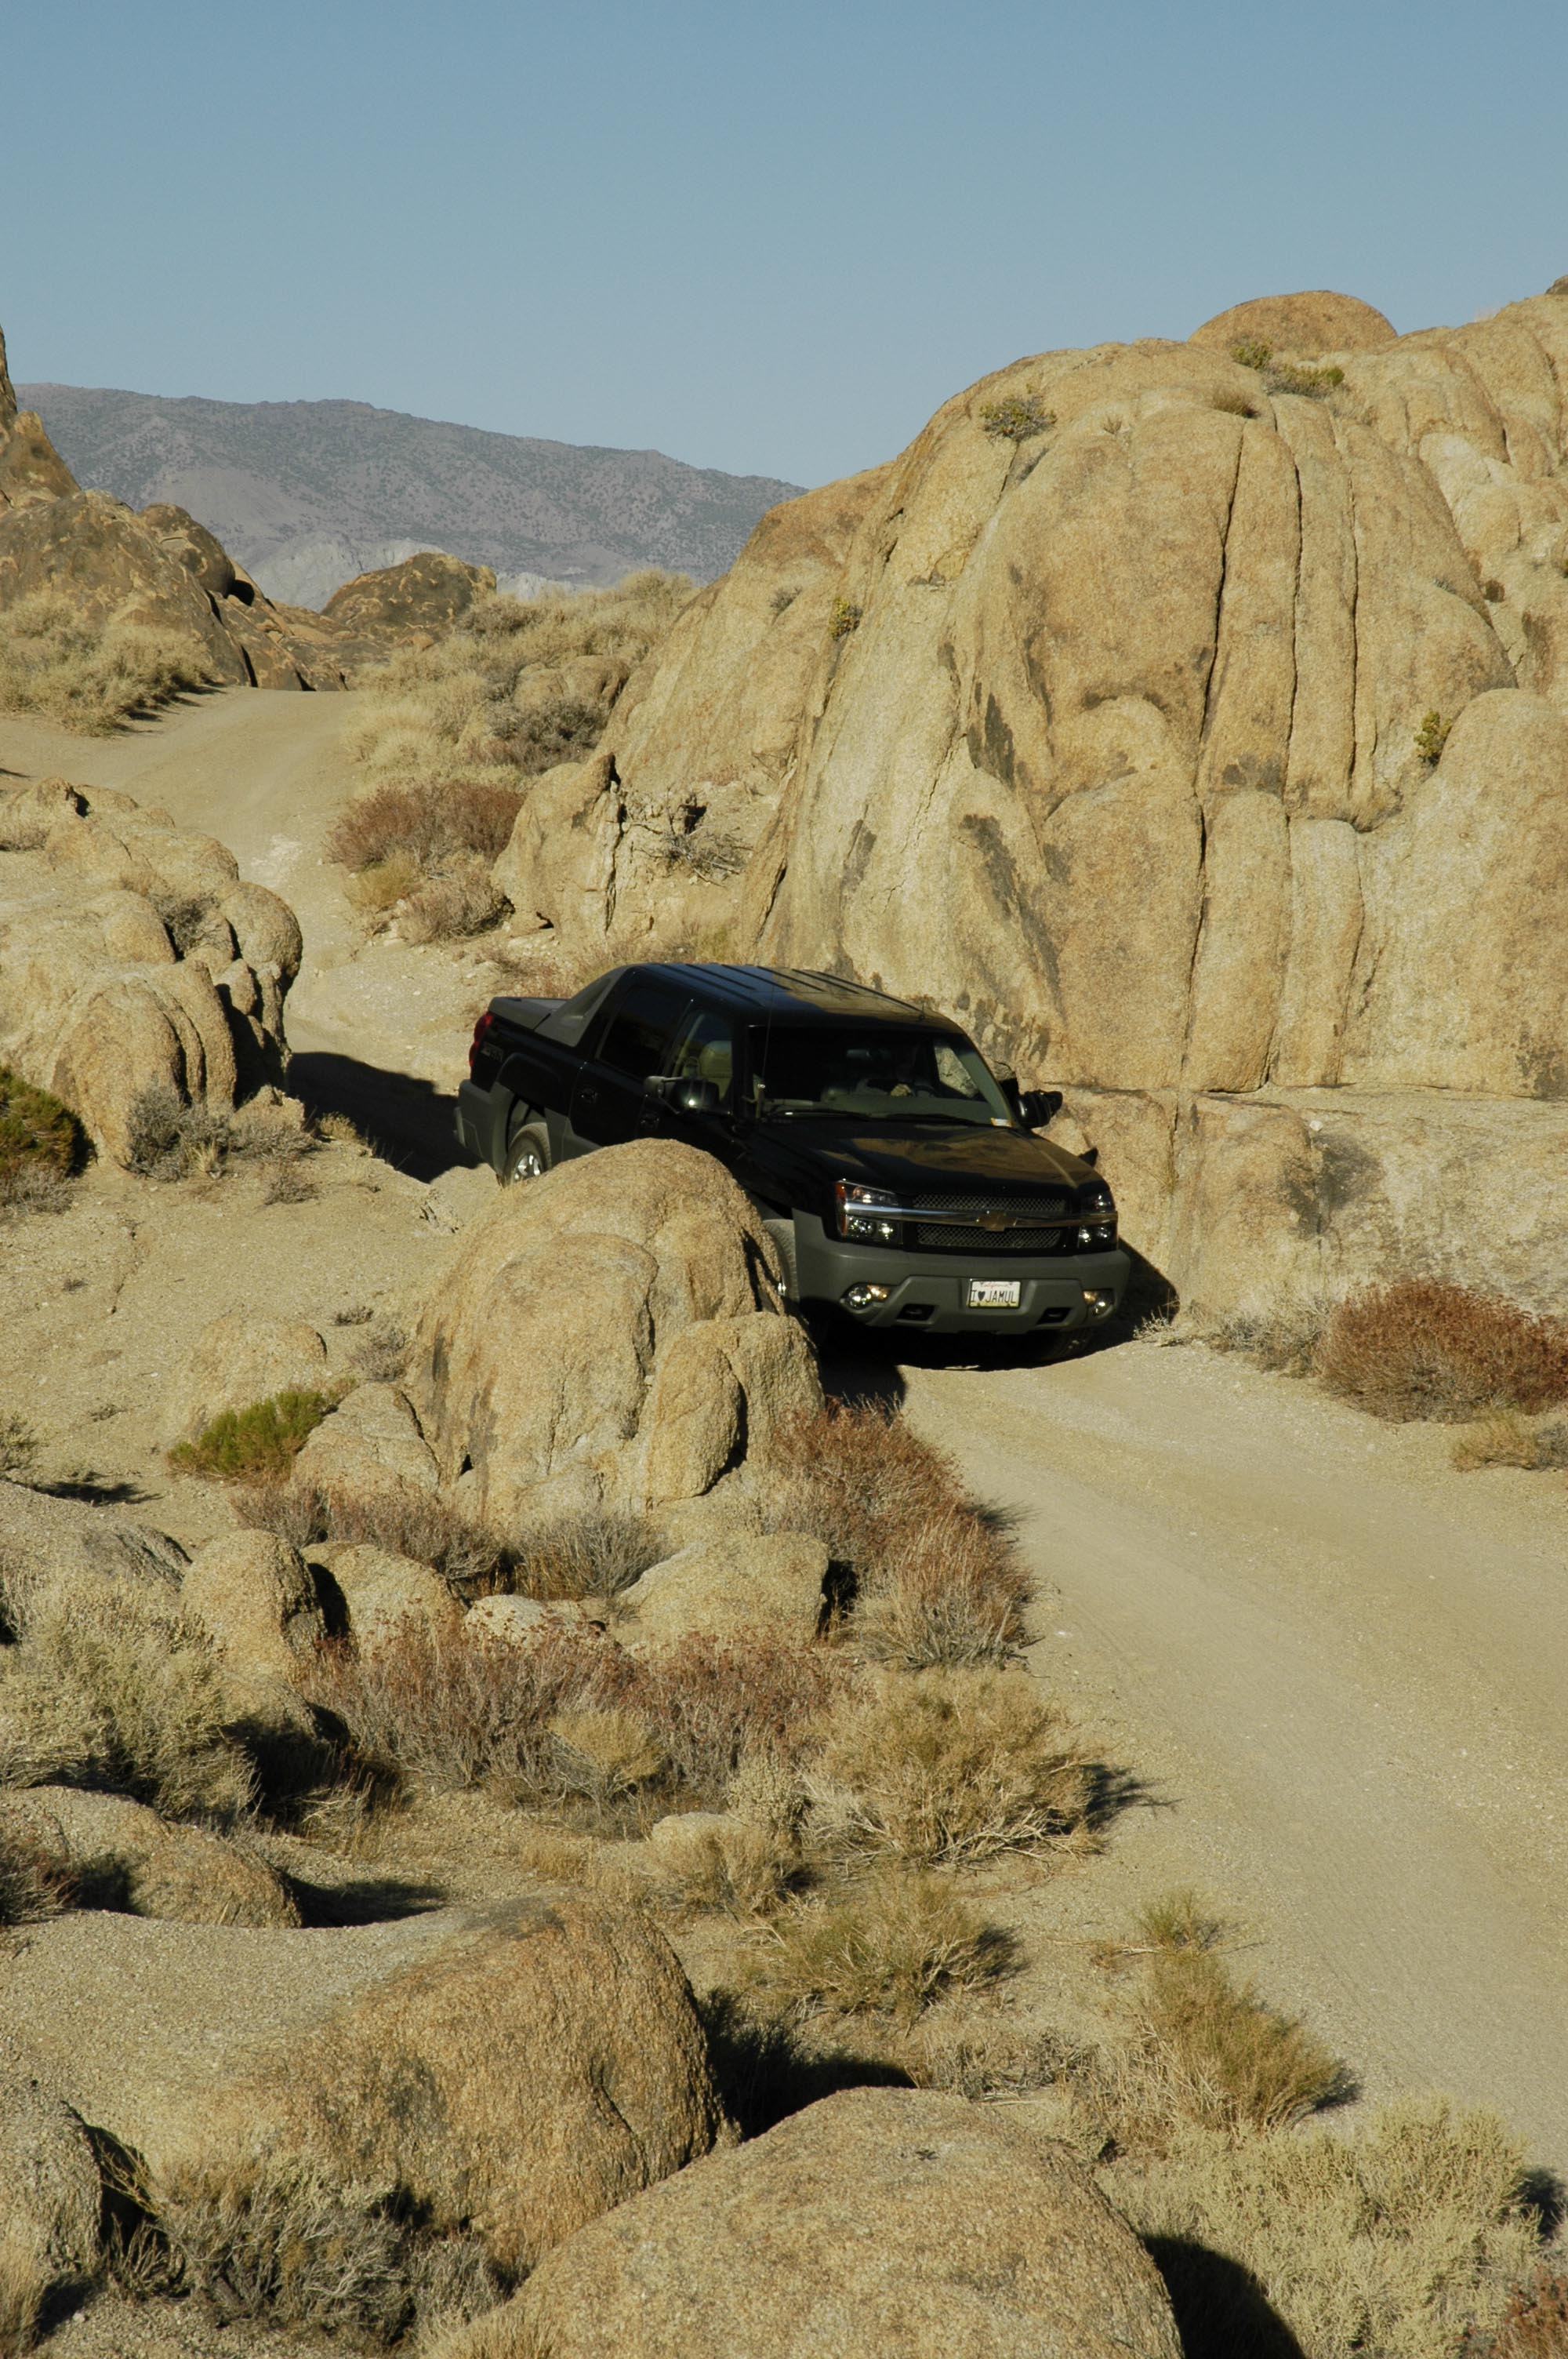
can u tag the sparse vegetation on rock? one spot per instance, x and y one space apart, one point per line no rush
1017 418
93 675
254 1445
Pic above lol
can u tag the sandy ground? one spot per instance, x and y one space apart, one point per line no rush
1337 1665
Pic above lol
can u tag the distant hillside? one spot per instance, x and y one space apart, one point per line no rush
305 493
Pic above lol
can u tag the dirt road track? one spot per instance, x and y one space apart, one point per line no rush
1342 1666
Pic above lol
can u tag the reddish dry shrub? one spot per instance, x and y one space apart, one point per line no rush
1535 2323
711 1700
473 1561
1420 1348
937 1580
455 1711
432 825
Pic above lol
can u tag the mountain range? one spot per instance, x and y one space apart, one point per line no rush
307 493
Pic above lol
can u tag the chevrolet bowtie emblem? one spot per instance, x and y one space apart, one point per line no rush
993 1221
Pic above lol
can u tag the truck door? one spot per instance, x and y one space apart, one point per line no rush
704 1050
610 1101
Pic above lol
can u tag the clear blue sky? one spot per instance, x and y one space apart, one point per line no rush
766 239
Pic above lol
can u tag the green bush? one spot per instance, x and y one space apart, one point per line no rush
1017 418
843 616
41 1142
1432 736
252 1444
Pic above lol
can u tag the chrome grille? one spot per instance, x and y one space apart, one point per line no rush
1055 1207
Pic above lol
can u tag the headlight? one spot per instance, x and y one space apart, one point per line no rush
1097 1212
861 1216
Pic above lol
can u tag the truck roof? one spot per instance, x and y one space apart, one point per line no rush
801 993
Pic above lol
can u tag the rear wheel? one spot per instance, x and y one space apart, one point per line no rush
528 1156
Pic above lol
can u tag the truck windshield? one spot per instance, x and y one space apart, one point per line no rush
888 1075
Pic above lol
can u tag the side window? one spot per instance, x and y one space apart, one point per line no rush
634 1043
705 1051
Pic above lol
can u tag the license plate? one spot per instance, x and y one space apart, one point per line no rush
994 1293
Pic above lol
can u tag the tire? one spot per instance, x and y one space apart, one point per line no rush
528 1154
781 1232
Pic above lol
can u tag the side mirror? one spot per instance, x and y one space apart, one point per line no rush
1037 1107
695 1097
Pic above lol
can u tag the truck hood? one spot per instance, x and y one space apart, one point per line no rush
926 1156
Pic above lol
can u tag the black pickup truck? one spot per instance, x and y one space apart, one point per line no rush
899 1177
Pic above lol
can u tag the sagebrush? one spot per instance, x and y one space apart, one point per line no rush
92 676
1423 1349
42 1146
248 1445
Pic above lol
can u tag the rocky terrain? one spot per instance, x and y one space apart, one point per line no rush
1192 721
541 1816
162 574
309 493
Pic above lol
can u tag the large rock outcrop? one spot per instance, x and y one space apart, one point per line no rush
514 2071
1203 748
132 954
876 2221
612 1332
163 570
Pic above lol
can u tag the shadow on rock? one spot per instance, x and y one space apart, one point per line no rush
409 1122
1222 2312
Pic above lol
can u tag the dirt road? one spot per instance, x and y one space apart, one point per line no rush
1342 1666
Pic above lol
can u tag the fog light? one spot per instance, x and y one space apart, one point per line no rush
1098 1302
861 1298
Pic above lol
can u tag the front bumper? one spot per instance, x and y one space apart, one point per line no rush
927 1292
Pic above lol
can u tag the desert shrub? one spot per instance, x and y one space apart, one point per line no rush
432 825
42 1145
449 907
106 1691
1422 1349
169 1138
249 1445
455 1711
1288 376
1533 2323
1252 353
1394 2242
996 2059
286 1182
91 676
19 1448
266 2239
473 1561
36 1880
1281 1334
26 2283
893 1945
1432 736
714 1700
724 1864
937 1580
516 686
1017 417
1508 1438
595 1552
1205 2048
843 616
954 1767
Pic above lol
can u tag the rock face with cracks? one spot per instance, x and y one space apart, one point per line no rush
1109 734
131 954
610 1333
878 2221
515 2070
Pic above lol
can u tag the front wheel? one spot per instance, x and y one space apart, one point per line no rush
528 1157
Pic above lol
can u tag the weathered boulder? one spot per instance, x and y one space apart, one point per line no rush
238 1359
123 1856
380 1591
422 596
371 1445
612 1332
253 1596
514 2071
878 2221
734 1582
1317 323
51 2197
1122 739
53 1547
133 955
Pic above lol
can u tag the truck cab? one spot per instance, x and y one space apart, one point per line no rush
904 1183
